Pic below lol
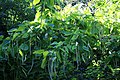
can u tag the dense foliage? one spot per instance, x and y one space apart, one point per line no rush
62 42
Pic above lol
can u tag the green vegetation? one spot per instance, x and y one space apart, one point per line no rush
54 40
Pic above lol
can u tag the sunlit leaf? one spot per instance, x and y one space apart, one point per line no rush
36 2
38 51
37 16
57 7
43 63
20 52
45 53
117 69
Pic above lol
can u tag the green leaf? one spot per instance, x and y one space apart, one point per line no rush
86 48
45 54
74 37
20 52
24 46
1 37
66 33
12 30
27 0
77 31
25 35
36 2
21 28
117 69
52 2
59 44
73 48
58 56
37 16
15 35
111 68
66 49
43 63
62 50
38 51
74 79
83 58
54 43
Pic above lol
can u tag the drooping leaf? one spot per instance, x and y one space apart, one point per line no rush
43 63
62 50
15 35
58 56
111 68
83 58
20 52
74 37
66 49
45 53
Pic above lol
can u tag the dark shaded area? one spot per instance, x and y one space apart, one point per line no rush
13 13
3 27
